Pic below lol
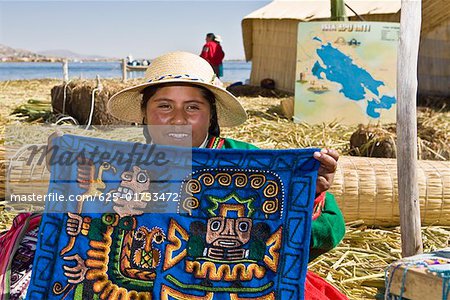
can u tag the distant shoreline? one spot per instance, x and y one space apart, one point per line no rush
233 70
56 60
60 60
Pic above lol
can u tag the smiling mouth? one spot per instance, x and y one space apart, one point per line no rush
178 135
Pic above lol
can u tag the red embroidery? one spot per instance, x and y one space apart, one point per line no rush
319 203
215 143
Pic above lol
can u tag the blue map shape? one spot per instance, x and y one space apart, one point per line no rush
340 68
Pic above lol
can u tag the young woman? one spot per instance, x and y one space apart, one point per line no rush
183 95
183 103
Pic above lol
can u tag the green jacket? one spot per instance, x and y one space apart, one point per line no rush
327 229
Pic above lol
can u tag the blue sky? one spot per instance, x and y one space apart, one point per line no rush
118 28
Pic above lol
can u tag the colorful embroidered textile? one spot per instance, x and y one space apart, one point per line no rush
429 272
237 225
16 255
328 226
21 265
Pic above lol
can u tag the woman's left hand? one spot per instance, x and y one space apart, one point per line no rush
328 164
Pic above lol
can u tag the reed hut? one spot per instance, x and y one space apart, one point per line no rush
270 38
434 54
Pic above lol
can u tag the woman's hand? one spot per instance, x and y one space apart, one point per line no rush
328 164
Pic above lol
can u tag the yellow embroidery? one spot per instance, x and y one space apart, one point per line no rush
271 190
274 244
190 203
169 259
240 179
270 206
208 179
209 270
223 179
257 180
193 186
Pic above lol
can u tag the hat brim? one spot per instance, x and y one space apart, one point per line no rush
126 104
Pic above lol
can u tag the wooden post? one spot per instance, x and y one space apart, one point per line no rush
124 70
65 64
408 190
338 10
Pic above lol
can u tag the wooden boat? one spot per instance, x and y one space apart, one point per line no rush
136 68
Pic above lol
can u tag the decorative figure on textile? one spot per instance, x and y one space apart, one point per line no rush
236 242
93 187
133 186
129 272
145 255
121 259
86 176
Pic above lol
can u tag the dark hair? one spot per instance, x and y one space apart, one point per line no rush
211 36
148 92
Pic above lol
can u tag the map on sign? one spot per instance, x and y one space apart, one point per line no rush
346 72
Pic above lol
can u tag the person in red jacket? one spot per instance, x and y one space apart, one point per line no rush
212 52
218 40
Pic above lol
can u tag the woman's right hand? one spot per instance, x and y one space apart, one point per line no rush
49 150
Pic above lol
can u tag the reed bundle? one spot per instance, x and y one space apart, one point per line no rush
33 110
366 188
75 100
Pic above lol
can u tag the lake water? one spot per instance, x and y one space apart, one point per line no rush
233 70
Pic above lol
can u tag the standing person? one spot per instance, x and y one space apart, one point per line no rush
220 54
212 53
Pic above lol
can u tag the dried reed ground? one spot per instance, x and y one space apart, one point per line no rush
357 265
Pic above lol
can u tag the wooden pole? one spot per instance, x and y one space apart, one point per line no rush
124 70
408 190
65 70
338 10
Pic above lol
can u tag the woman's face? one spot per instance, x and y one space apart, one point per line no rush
186 112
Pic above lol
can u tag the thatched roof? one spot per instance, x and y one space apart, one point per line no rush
308 10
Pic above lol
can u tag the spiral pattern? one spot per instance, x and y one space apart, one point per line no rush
193 186
224 179
270 206
58 289
208 179
271 190
190 203
257 180
240 180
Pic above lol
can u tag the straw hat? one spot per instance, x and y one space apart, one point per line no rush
175 67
